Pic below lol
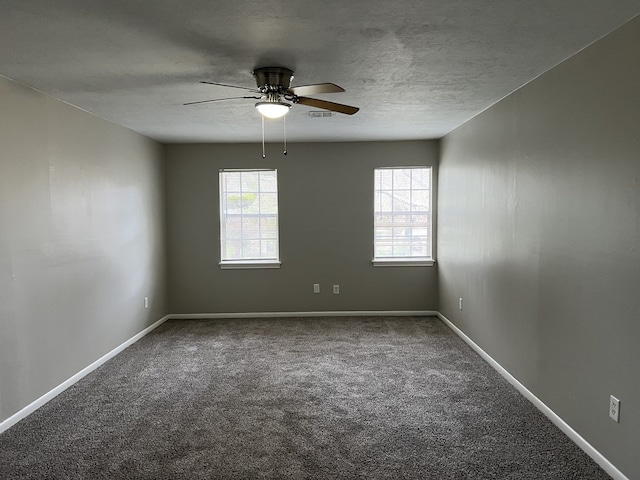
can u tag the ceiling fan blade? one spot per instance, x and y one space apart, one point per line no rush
218 100
232 86
334 107
316 89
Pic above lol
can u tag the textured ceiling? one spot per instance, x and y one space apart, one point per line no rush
416 68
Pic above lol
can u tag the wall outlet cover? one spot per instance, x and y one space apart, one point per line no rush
614 408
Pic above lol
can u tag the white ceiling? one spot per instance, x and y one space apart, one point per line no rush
416 68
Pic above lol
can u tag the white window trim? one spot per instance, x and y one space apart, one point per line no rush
248 264
410 261
400 262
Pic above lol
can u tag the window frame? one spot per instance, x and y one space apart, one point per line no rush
406 261
246 263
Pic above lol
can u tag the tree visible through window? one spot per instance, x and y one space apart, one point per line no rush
402 213
249 216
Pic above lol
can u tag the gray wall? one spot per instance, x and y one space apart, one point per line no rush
539 229
81 241
326 230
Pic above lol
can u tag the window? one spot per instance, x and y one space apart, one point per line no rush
249 219
402 216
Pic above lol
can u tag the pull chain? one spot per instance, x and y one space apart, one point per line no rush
284 124
284 127
263 154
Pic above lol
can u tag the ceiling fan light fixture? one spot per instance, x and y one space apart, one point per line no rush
273 109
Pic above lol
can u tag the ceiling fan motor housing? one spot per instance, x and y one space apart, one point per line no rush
273 79
274 87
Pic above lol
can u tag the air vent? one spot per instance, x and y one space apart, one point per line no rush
319 114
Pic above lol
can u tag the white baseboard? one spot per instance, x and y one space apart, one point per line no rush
33 406
606 465
346 313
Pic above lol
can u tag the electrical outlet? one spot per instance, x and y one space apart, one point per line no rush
146 302
316 288
336 289
460 303
614 408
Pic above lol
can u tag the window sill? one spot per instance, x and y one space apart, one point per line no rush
401 262
248 264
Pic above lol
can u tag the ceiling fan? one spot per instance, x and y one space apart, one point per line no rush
276 94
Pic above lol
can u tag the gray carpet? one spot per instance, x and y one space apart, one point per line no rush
293 398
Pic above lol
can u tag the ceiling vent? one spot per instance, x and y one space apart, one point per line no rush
319 114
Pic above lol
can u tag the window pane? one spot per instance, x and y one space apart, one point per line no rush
250 203
250 227
419 251
269 248
386 178
250 249
269 203
402 212
249 181
233 203
401 178
420 200
233 228
268 183
232 183
234 249
401 201
420 179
